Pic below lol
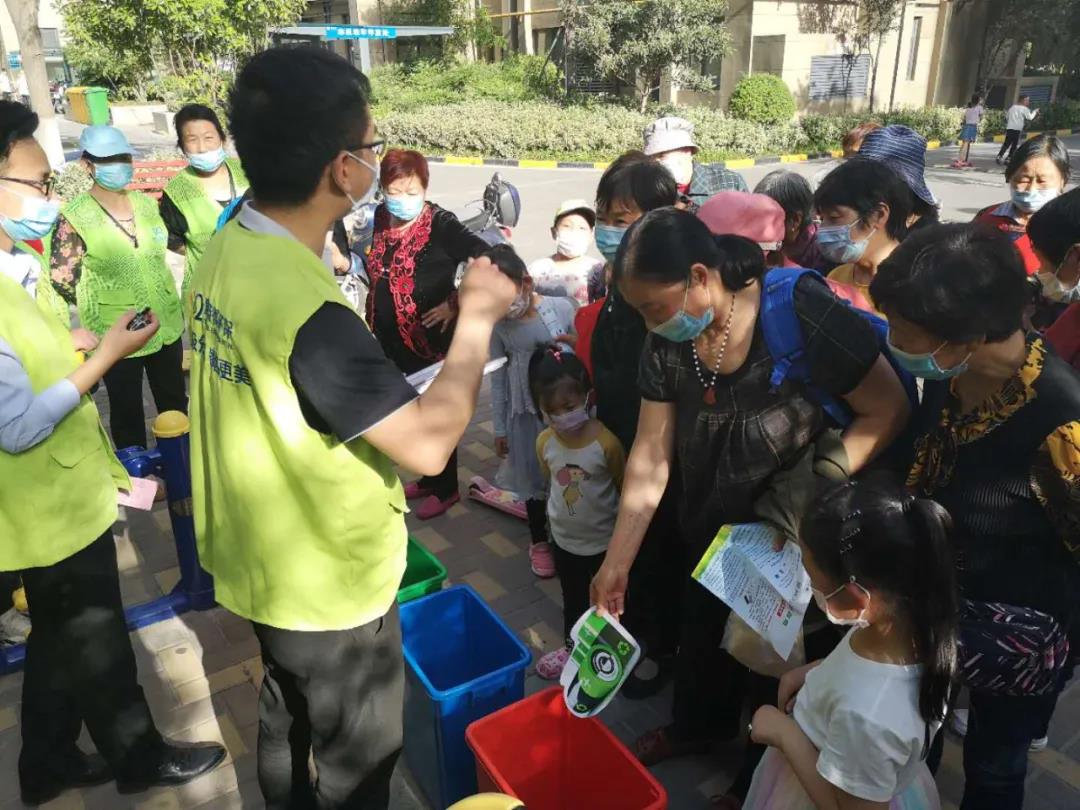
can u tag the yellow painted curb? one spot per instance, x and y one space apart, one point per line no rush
794 158
1064 132
601 166
999 139
465 161
933 144
836 153
538 164
742 163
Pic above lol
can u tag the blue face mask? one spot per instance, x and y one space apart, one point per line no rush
1032 200
608 239
926 365
207 161
113 176
836 244
405 207
682 326
38 218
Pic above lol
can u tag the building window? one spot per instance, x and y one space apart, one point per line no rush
768 55
842 76
913 52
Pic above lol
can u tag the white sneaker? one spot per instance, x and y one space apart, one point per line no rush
14 627
958 723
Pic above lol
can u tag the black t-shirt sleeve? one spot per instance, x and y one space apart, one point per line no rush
841 346
343 379
459 242
340 237
175 222
654 381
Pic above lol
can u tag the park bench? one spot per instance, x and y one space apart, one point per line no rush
151 176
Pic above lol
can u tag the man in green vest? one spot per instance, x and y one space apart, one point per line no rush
58 502
298 419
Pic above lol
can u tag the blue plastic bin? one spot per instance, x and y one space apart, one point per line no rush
461 663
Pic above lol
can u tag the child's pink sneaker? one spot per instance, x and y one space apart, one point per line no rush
432 507
550 665
414 490
541 560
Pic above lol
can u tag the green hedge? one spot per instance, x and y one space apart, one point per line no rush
762 98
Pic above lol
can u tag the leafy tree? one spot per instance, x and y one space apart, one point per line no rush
474 32
635 42
126 42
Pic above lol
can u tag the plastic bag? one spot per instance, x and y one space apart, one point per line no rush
757 654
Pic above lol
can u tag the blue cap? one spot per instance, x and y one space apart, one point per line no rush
104 142
903 150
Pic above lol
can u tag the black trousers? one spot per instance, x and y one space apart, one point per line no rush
124 384
575 572
336 694
445 483
536 512
80 666
1012 141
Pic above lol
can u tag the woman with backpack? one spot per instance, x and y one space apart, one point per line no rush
999 447
709 401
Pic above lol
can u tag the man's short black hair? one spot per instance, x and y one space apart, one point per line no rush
862 185
507 260
17 123
1055 227
635 177
291 112
196 112
957 282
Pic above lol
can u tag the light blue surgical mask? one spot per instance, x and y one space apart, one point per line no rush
113 176
207 162
926 365
1033 199
608 239
37 219
682 326
405 207
836 244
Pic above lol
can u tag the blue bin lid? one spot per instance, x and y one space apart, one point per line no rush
523 659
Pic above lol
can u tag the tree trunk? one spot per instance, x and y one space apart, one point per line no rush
24 13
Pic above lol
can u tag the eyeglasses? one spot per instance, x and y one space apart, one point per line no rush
376 147
45 186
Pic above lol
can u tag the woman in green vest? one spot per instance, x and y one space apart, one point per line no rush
58 503
195 198
108 257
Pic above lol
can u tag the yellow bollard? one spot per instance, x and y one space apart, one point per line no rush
489 801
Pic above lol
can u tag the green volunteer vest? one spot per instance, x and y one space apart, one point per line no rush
58 496
47 297
118 276
201 212
300 531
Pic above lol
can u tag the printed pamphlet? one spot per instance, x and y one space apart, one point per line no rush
604 655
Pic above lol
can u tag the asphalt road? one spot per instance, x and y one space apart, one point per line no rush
962 192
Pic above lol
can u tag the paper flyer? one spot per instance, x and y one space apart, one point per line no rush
422 379
604 655
141 495
767 589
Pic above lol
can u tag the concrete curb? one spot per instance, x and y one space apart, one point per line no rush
737 163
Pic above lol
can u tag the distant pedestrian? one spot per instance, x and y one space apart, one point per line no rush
1015 119
569 272
670 140
970 131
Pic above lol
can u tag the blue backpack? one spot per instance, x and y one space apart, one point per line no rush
784 337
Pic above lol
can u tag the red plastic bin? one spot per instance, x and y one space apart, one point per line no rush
537 751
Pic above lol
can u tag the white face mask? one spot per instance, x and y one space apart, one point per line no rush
572 243
520 306
1054 290
822 600
681 166
369 195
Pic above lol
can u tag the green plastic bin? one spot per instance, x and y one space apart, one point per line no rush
97 104
424 573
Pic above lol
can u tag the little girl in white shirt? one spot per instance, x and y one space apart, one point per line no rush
861 720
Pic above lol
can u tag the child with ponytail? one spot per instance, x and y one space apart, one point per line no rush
853 730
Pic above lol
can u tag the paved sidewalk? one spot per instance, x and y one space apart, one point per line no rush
201 671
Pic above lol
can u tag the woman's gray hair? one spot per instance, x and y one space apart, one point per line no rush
791 190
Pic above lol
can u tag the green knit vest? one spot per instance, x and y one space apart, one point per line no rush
118 276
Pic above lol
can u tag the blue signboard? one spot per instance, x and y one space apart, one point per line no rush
14 59
360 32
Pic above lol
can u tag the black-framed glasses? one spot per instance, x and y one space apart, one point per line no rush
45 186
376 147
